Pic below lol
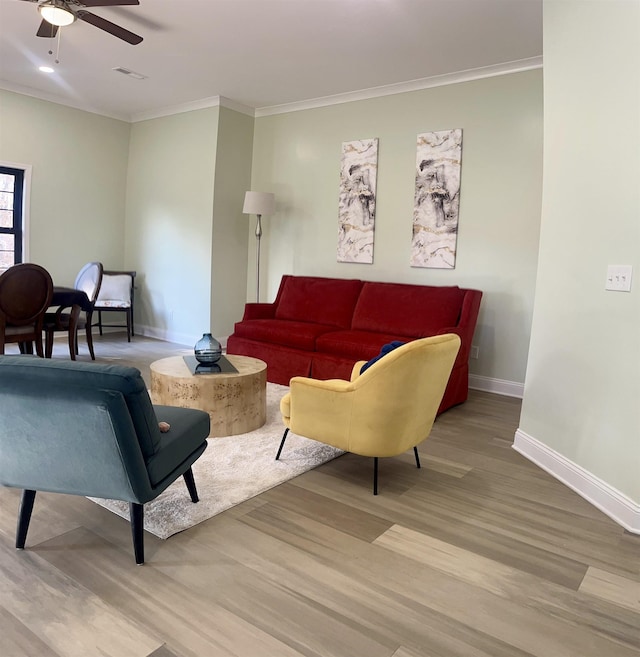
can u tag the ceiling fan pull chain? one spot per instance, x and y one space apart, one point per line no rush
57 59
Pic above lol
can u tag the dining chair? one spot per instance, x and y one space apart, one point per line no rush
25 295
116 295
88 280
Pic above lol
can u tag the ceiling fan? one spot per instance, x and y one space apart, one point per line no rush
58 13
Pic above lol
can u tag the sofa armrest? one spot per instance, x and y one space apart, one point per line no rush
466 324
259 311
465 345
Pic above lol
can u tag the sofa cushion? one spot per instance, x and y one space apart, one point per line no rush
328 366
282 362
355 345
415 311
318 300
297 335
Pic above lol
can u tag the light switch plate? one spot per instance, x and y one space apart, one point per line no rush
619 278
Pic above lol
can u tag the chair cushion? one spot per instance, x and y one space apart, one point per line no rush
12 331
101 304
115 291
188 426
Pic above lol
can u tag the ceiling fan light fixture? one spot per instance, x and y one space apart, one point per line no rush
56 13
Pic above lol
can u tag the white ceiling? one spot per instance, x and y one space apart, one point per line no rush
261 53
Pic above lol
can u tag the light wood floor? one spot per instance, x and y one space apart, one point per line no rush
479 553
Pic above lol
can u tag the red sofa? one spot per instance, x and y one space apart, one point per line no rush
320 327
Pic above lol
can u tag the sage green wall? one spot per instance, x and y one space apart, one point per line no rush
169 226
297 156
582 387
230 226
79 167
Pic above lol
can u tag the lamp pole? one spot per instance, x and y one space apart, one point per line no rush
258 236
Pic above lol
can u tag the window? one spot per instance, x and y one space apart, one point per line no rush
11 216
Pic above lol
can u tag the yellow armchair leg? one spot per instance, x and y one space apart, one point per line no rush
284 437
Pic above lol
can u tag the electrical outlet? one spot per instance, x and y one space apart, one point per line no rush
475 351
619 278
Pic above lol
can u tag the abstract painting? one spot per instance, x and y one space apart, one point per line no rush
437 199
357 202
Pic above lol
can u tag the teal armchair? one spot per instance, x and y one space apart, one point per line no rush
90 429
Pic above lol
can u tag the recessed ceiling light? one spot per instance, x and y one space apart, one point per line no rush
45 69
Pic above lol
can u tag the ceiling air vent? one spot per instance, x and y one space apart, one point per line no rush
131 74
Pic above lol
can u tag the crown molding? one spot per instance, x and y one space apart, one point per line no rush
203 103
53 98
237 107
468 75
213 101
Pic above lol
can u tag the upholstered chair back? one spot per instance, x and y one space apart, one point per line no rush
386 410
76 427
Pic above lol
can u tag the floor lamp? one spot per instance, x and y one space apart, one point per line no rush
258 203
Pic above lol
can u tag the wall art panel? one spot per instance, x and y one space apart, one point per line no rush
437 199
357 202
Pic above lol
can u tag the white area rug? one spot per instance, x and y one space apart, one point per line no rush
232 470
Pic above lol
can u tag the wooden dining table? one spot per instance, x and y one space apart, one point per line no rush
77 300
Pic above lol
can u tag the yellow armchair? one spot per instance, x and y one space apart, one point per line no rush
384 411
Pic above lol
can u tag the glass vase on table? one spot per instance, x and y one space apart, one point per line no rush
207 350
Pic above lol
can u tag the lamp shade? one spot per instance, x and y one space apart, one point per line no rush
263 203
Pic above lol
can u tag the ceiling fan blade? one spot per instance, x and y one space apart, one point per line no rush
108 3
109 27
47 30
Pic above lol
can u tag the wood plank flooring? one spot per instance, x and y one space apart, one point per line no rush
477 554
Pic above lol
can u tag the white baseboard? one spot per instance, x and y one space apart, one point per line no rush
172 336
166 335
498 386
610 501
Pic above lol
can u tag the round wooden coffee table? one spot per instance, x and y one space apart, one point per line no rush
236 402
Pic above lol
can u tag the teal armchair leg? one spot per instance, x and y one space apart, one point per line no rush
24 517
136 513
191 485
